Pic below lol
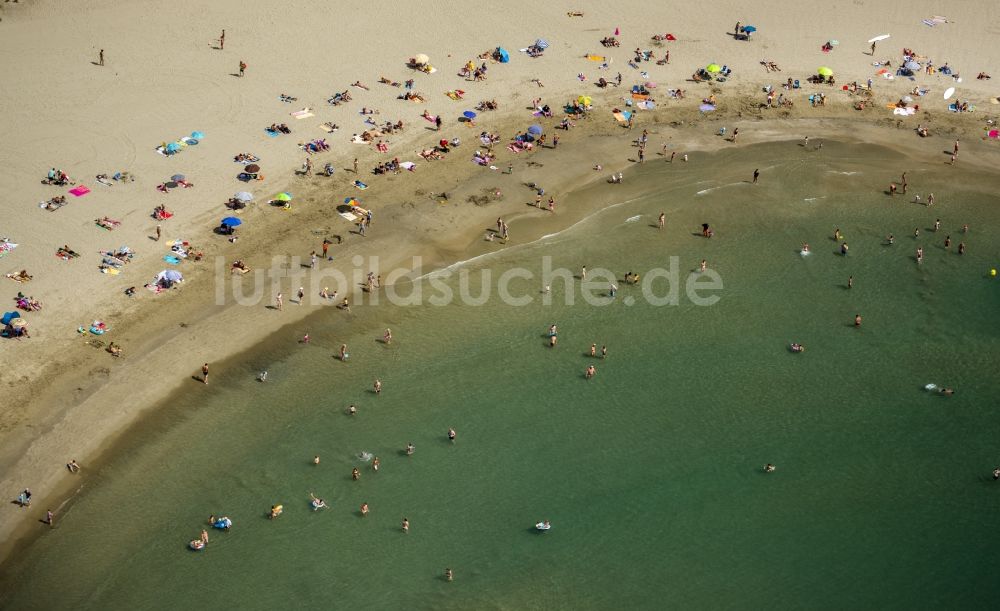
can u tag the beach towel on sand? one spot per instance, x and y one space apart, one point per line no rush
80 191
360 185
302 114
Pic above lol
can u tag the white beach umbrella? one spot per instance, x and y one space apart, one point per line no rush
879 37
949 92
421 58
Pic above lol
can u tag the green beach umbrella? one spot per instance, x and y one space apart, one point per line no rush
713 68
283 197
824 71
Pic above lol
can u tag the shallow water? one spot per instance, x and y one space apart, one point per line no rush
650 473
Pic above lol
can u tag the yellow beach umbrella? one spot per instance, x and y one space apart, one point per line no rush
713 68
586 100
824 71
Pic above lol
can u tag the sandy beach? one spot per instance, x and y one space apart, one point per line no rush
164 78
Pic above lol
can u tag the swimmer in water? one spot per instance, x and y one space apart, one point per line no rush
591 372
857 320
843 249
704 265
937 224
798 348
376 463
449 575
850 282
604 352
409 449
352 410
406 525
593 350
769 468
387 337
377 386
947 391
262 376
837 235
343 352
891 239
805 249
552 341
364 509
355 474
316 459
996 475
920 255
316 502
451 434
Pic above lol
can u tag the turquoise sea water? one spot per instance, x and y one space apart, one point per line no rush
650 473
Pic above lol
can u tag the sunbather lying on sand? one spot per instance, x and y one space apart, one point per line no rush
21 276
114 349
107 223
360 85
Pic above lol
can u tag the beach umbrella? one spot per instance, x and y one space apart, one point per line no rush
749 29
170 184
350 201
907 99
504 55
706 108
232 221
911 65
173 147
469 114
824 71
252 168
586 100
173 275
18 323
283 197
949 92
421 58
994 133
243 196
177 177
834 43
535 130
713 68
541 43
9 316
197 135
618 32
879 37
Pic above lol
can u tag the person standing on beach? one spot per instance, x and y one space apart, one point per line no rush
100 58
672 155
326 249
300 295
642 155
243 67
954 150
159 230
437 122
355 165
343 353
736 133
50 518
756 175
662 220
873 50
312 259
204 373
222 40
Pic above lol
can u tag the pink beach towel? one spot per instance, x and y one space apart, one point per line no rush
80 191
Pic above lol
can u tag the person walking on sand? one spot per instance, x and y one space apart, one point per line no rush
954 150
672 155
437 122
243 67
204 373
873 50
50 518
158 232
222 40
100 58
279 301
756 175
355 165
662 220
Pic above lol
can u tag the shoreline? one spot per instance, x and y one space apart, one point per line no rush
87 404
64 487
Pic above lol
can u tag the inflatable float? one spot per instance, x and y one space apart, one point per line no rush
223 523
543 526
275 511
197 545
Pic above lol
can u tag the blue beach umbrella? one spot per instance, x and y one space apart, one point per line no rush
243 196
173 275
469 114
504 55
535 130
541 43
173 147
232 221
197 135
750 29
706 108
